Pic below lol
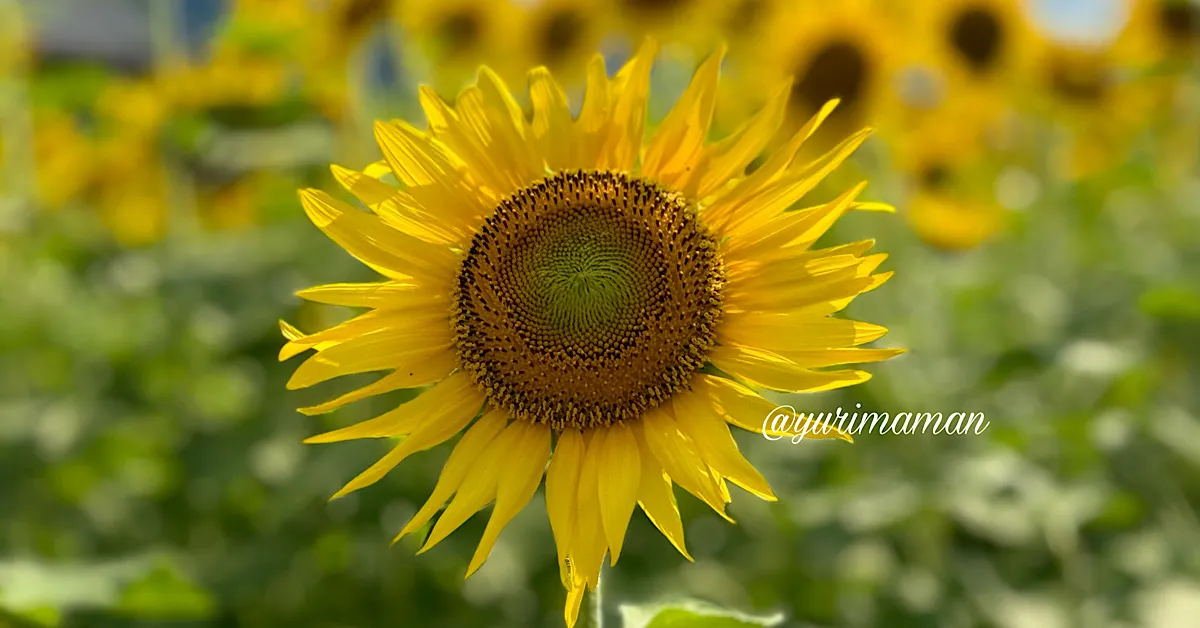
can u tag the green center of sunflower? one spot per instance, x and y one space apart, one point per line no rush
1180 21
587 299
837 70
978 36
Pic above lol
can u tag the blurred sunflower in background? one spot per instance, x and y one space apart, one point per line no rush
562 35
950 204
1095 99
454 36
609 304
689 23
1162 42
846 51
977 50
1163 32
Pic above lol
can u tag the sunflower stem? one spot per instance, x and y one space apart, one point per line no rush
592 615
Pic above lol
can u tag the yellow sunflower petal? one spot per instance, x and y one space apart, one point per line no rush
407 417
391 294
437 426
748 410
836 357
671 152
370 190
716 444
795 332
789 189
593 116
772 371
790 227
481 436
516 486
423 373
627 118
729 206
621 470
399 348
371 322
574 600
552 125
676 454
588 543
562 489
729 157
392 253
477 489
657 499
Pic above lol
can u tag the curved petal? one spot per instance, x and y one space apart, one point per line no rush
671 153
475 442
392 253
676 454
772 371
408 416
621 470
477 489
526 460
562 491
716 444
656 498
438 425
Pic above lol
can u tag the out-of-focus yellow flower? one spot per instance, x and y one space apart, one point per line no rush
1086 90
978 51
232 204
131 195
951 203
64 158
455 36
1162 32
230 78
561 35
136 106
695 23
953 222
846 50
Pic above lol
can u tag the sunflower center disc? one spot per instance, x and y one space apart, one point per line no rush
977 35
587 299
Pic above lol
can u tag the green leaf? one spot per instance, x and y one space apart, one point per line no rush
692 615
166 593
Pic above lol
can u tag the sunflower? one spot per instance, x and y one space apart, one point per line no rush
949 205
1163 32
455 36
845 50
1086 90
693 23
571 294
978 50
561 35
63 158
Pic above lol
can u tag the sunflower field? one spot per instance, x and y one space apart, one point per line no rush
415 313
